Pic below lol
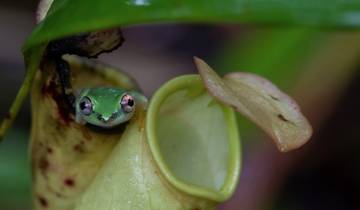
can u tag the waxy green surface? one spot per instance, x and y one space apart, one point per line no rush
76 16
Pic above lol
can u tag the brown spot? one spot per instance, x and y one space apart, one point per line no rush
59 195
79 147
85 132
281 117
43 164
49 150
69 182
43 202
54 90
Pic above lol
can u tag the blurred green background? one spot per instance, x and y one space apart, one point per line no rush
318 67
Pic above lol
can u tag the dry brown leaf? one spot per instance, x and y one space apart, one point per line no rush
261 102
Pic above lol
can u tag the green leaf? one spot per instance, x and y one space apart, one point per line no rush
69 17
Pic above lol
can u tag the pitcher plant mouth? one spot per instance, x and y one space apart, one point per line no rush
166 117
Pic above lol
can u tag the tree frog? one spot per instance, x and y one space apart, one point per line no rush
107 107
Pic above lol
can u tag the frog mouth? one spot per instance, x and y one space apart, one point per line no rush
106 119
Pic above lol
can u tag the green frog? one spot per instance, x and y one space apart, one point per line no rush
107 107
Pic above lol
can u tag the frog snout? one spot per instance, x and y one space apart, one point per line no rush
105 119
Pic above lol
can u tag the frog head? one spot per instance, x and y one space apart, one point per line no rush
104 107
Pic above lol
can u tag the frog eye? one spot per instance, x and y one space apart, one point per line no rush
127 103
85 106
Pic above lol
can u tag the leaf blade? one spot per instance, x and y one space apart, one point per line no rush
262 102
70 15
